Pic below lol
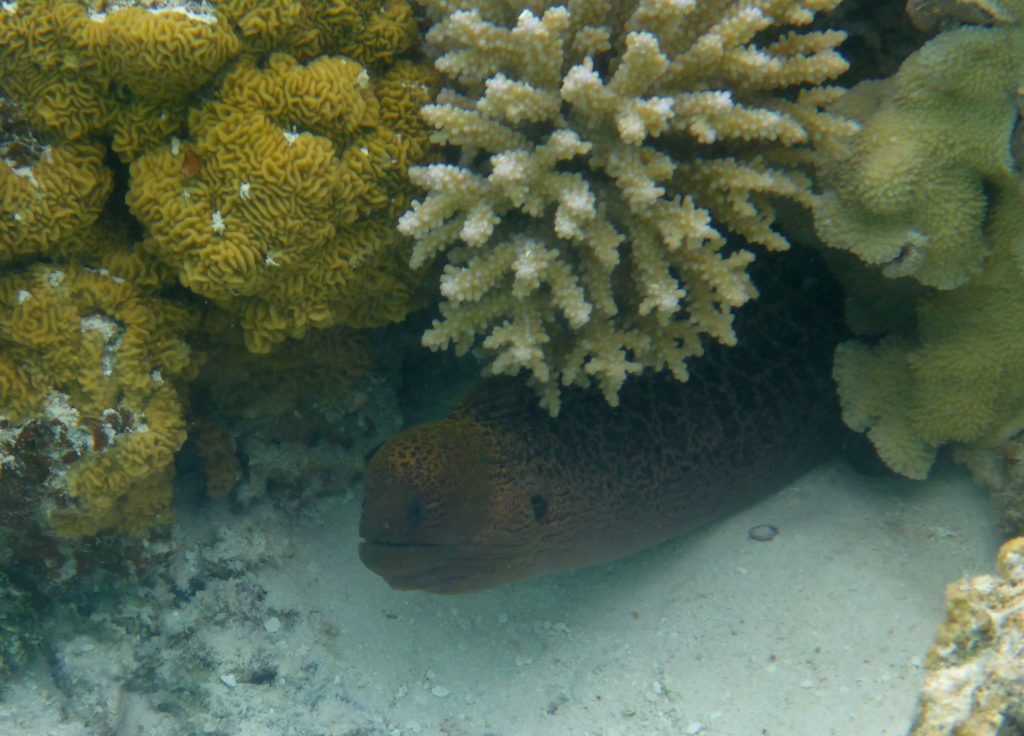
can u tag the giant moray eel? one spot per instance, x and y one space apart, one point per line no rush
498 491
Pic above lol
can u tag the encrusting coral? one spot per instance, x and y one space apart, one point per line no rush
93 358
929 195
607 150
281 206
975 680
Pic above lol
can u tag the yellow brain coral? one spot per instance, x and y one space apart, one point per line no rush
369 31
99 358
128 71
45 203
280 208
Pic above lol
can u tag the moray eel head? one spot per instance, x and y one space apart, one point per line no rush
433 518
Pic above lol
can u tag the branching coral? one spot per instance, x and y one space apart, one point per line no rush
99 359
280 208
607 150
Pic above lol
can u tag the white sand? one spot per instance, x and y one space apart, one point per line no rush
820 631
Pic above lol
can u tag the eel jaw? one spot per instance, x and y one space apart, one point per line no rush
436 568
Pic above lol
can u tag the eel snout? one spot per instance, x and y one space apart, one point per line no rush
425 523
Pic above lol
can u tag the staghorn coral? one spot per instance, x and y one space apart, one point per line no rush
88 366
975 680
929 195
607 150
280 208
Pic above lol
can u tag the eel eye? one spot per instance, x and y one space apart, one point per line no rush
415 511
540 507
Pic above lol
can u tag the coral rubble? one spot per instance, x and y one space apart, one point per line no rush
975 681
607 150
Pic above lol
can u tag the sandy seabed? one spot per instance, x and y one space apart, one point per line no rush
267 623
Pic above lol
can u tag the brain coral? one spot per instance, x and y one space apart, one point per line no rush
607 150
96 360
280 207
370 31
127 72
46 202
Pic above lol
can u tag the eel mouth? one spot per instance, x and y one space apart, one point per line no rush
435 568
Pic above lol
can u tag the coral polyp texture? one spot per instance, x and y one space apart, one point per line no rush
909 195
607 152
90 366
930 197
281 205
975 680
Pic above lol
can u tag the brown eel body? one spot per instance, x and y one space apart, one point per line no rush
498 490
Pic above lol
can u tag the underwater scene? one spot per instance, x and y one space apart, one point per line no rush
512 368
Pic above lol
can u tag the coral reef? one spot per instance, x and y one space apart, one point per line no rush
267 183
50 198
607 150
909 195
929 195
975 683
127 73
280 208
133 72
89 357
369 31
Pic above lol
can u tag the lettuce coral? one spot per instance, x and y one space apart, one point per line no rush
929 194
607 150
280 208
100 360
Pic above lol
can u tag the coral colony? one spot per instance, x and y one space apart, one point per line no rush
575 189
